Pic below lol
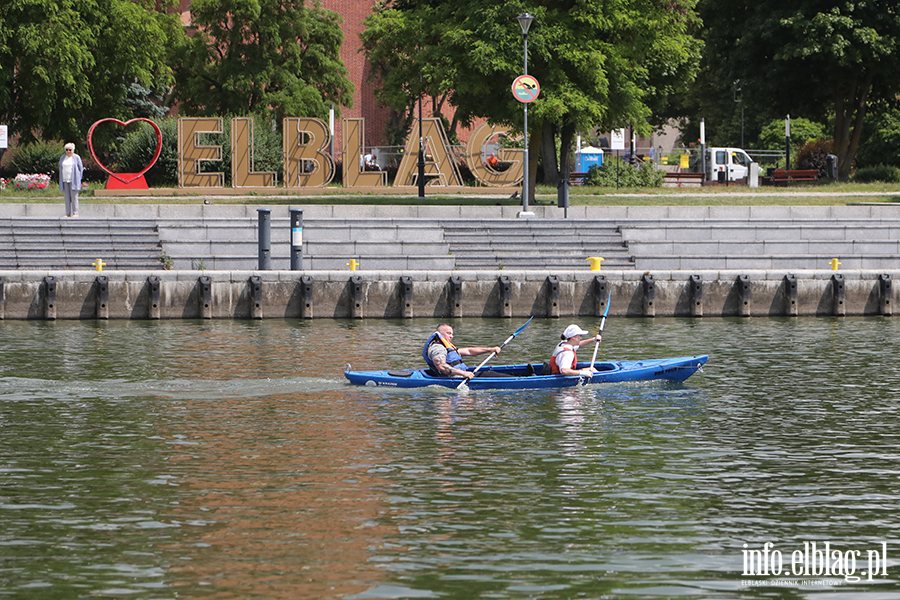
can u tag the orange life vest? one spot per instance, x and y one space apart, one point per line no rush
554 361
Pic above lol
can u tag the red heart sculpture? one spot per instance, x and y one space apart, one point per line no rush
133 176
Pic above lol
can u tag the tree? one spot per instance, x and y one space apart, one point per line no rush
252 55
819 58
600 63
64 65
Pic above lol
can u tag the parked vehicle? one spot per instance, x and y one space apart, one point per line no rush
727 164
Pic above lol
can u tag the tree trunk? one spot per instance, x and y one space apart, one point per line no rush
849 109
548 154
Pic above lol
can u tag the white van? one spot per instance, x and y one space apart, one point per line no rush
734 162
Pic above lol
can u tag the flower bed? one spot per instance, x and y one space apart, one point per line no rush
37 181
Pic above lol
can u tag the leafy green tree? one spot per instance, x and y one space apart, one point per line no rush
823 59
600 63
252 55
64 65
802 131
880 143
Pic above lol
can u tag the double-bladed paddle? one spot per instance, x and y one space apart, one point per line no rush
602 325
493 354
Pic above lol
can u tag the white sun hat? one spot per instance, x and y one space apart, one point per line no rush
573 330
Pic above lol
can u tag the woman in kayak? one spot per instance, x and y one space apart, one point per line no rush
563 359
445 358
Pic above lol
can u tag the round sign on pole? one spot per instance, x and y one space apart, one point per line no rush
526 88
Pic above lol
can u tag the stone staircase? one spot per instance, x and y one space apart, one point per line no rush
63 243
535 244
448 238
328 244
796 243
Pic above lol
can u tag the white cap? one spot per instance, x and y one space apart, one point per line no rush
573 330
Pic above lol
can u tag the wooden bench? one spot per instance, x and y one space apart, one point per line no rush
786 176
679 179
577 177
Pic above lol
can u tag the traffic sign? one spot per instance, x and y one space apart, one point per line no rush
526 88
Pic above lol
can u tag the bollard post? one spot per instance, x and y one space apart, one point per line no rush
649 286
265 238
50 298
256 297
600 295
406 296
884 286
205 296
153 297
790 295
296 239
743 283
553 296
696 296
455 296
306 291
505 296
356 288
837 295
102 309
562 196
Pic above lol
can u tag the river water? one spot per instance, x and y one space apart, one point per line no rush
229 459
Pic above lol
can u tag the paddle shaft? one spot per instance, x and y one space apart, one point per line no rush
602 325
493 354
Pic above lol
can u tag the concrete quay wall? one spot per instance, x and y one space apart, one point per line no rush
186 294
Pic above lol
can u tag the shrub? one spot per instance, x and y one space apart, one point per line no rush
883 173
138 148
880 142
37 157
628 174
812 155
802 131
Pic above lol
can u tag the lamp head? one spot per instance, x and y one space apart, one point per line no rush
525 22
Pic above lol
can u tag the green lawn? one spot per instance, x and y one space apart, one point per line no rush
799 195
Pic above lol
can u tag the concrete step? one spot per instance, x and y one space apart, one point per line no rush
524 262
76 243
334 263
759 261
832 231
251 249
578 246
769 247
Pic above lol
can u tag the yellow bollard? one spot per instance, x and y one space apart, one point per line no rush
352 264
99 264
595 262
834 264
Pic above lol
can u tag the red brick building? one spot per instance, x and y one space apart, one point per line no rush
365 106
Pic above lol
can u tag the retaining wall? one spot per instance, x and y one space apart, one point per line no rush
439 294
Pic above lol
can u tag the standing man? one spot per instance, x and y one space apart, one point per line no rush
70 171
446 359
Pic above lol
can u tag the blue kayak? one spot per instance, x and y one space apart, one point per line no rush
527 376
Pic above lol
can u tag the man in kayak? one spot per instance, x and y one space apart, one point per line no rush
563 359
445 358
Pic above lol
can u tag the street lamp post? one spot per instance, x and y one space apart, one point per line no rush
737 90
525 22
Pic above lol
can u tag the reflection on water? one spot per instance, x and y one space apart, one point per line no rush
231 460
